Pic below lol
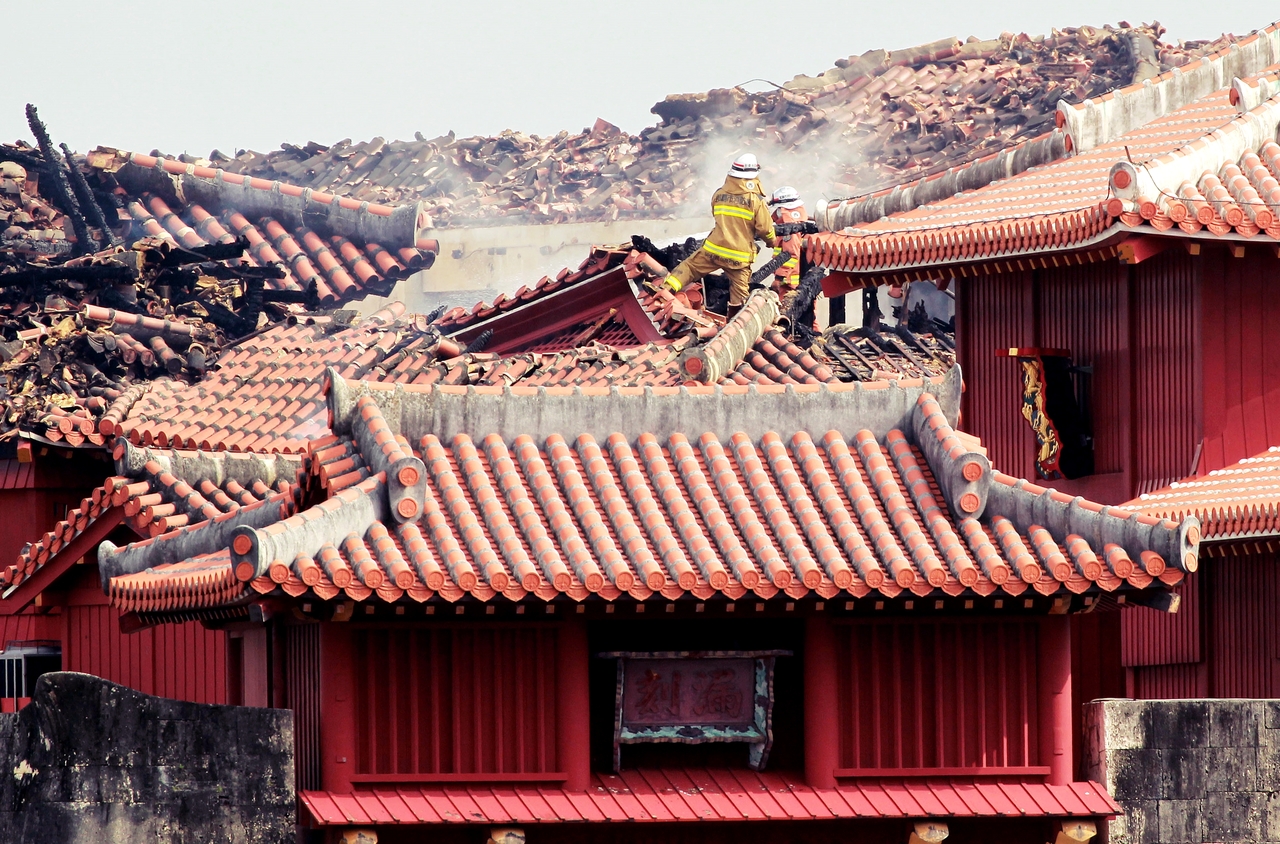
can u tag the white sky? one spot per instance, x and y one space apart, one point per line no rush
189 77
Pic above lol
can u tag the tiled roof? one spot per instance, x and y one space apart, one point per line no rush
1240 501
161 493
1207 164
265 393
657 795
339 269
1055 206
342 248
587 492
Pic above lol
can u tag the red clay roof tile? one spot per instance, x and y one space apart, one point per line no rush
681 516
1235 502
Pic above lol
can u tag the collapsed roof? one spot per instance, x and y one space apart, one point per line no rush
150 268
872 120
1192 151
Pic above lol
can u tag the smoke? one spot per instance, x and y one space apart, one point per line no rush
817 169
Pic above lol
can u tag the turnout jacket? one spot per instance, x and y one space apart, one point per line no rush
741 216
791 244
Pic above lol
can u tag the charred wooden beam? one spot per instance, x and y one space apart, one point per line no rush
62 191
84 196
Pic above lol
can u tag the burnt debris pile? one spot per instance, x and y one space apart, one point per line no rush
872 120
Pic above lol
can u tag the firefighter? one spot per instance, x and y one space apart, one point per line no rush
741 217
787 209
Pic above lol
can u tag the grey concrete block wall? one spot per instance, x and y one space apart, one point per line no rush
90 761
1194 771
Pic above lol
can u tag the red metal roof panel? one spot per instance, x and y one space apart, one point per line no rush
952 804
440 803
996 798
466 804
490 806
561 804
417 805
746 794
1030 798
588 809
670 796
395 805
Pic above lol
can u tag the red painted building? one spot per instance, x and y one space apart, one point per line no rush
1128 281
443 581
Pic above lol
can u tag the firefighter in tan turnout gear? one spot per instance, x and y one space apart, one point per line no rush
741 217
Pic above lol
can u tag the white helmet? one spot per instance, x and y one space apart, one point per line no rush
787 197
745 166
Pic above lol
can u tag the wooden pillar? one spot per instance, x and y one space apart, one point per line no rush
573 730
337 708
821 704
1054 676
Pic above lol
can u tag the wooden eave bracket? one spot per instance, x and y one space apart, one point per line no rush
1135 250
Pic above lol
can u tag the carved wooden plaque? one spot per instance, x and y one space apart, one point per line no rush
689 692
691 697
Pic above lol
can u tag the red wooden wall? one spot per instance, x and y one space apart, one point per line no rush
1222 642
1241 380
303 682
27 513
937 695
1135 326
453 701
181 661
996 312
1164 369
27 627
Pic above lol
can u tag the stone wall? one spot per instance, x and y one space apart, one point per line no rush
90 761
1187 770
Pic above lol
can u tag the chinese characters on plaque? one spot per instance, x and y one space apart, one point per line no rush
694 697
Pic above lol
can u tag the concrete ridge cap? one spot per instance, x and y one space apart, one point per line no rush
174 167
1026 505
1162 177
1099 119
919 180
753 409
1172 72
971 175
352 510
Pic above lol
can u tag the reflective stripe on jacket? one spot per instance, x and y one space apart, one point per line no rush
741 217
791 244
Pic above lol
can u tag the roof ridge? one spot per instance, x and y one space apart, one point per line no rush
191 541
970 175
194 465
710 361
1248 92
541 411
1160 178
255 547
399 226
1097 120
1063 515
